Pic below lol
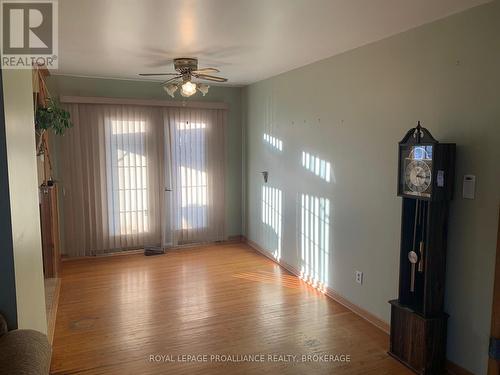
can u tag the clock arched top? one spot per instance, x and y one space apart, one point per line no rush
417 135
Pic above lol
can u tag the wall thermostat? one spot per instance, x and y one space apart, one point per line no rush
469 186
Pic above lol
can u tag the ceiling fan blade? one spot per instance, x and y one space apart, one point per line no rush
206 70
171 79
158 74
210 78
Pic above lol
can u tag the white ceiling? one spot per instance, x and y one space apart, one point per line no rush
248 40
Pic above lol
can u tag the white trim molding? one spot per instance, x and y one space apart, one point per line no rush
142 102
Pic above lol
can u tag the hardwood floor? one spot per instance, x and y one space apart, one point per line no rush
115 312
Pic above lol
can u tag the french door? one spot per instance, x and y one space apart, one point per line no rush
136 176
195 181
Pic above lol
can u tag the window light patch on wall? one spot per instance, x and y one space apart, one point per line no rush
273 141
319 167
314 240
272 219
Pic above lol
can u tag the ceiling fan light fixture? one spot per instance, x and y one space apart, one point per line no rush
188 88
203 88
170 89
187 70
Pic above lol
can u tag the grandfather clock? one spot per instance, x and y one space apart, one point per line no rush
425 182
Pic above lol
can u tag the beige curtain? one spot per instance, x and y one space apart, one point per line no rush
116 166
197 154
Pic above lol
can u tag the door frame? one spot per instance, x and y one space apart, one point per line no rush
493 365
8 303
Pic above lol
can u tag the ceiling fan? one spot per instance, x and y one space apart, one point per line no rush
187 68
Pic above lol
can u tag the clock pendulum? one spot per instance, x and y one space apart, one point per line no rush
412 255
418 320
421 246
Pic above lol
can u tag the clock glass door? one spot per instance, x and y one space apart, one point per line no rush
416 171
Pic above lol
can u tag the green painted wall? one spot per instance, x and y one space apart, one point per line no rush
351 110
80 86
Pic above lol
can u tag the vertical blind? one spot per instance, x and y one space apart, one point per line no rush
198 174
136 175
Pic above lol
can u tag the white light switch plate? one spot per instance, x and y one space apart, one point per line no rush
469 186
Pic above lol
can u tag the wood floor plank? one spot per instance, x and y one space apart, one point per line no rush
115 312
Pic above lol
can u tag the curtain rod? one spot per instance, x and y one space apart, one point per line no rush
143 102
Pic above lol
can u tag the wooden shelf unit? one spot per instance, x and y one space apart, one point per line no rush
49 220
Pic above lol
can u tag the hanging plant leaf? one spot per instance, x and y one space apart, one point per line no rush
52 117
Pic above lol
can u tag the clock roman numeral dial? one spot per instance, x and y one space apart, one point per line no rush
417 176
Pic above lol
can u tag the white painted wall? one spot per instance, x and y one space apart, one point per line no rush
351 110
20 136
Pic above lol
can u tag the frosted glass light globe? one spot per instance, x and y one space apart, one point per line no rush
188 88
170 89
203 88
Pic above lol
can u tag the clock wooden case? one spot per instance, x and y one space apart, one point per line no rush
425 181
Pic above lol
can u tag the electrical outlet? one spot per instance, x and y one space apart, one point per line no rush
359 277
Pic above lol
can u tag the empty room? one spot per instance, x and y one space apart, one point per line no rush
250 187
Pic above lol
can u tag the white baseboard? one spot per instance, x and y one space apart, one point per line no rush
376 321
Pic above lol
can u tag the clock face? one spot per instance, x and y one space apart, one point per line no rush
418 176
416 170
